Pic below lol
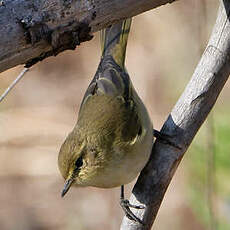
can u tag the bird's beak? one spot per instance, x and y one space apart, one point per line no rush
67 186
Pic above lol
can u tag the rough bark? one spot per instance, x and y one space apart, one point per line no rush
36 29
183 123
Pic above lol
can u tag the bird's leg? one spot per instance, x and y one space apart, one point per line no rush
164 138
126 207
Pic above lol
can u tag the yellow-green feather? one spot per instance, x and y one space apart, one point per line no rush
114 41
113 134
111 77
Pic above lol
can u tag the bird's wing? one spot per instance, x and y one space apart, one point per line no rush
111 77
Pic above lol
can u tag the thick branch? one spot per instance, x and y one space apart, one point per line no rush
33 30
183 123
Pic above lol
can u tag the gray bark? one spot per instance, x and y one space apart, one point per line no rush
183 123
36 29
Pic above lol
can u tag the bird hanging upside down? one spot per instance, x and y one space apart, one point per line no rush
113 137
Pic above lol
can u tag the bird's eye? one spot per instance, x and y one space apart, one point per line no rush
140 131
79 162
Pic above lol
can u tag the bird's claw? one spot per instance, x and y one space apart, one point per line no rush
126 207
164 138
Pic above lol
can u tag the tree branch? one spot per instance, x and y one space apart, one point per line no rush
36 29
183 123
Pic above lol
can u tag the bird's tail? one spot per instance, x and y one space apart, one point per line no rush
114 40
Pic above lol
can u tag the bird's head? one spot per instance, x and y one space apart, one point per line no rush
70 161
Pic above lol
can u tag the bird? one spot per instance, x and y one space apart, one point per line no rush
113 137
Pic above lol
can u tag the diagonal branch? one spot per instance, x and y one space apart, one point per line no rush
33 30
183 123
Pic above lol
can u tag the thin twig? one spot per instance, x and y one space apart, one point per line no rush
19 77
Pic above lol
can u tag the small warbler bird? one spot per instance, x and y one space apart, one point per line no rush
113 137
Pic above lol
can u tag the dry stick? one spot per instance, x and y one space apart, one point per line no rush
19 77
183 123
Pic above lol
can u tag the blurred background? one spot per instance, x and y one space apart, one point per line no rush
164 48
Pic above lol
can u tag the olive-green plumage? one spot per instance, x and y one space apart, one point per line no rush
113 137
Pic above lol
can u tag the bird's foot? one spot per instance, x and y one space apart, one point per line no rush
164 138
126 207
